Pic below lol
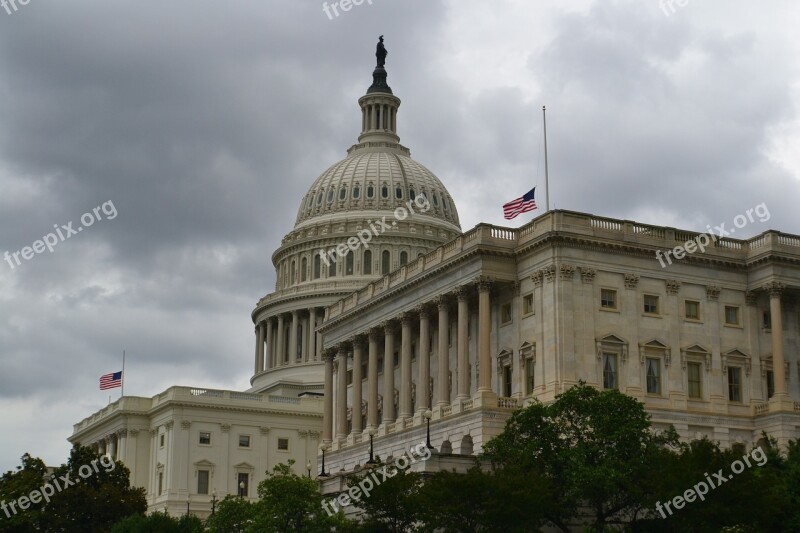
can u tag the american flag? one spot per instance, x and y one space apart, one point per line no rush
111 381
522 204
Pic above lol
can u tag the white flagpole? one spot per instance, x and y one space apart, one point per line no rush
546 173
123 375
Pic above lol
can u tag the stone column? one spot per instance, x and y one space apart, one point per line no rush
304 340
293 338
484 328
358 358
388 374
405 367
778 363
259 348
372 380
327 416
444 352
341 393
312 334
281 351
423 401
463 346
270 348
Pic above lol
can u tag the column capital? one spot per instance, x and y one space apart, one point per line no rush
672 285
442 302
424 311
775 289
389 326
359 340
342 349
374 334
406 318
329 354
751 297
462 293
295 313
484 284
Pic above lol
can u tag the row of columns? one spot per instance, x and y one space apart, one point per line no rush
271 342
405 409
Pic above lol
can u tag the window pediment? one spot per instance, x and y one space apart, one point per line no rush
655 347
612 343
736 357
696 353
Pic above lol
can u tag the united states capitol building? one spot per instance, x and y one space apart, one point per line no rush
405 320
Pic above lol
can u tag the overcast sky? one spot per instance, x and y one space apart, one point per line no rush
203 124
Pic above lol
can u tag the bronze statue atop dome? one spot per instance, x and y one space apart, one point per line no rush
380 52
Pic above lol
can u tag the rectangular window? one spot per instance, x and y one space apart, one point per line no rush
396 359
653 367
529 369
735 384
160 482
205 438
527 304
363 371
692 309
608 299
202 482
161 440
650 304
244 441
505 313
243 484
507 380
732 315
350 377
283 445
380 365
767 320
695 380
610 371
770 383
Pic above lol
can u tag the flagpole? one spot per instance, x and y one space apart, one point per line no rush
123 375
546 173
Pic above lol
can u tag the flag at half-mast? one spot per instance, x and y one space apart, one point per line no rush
523 204
111 381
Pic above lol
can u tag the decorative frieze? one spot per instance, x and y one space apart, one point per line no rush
549 273
673 286
185 424
631 281
536 278
225 428
712 292
588 274
264 430
774 288
567 272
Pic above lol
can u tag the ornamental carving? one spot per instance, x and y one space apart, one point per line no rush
185 424
775 289
549 273
588 274
225 427
516 287
536 277
673 286
462 293
712 292
751 297
631 281
567 272
264 430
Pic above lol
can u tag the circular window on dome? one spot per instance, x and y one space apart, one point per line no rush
371 191
412 195
330 196
343 193
356 191
384 192
398 193
319 198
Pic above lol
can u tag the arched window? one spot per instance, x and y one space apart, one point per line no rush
367 268
412 194
293 267
403 258
435 199
319 198
356 191
385 191
348 263
343 193
398 193
385 262
332 268
330 196
317 266
304 269
371 191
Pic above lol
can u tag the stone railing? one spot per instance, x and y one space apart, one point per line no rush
466 405
447 411
797 406
565 223
507 403
761 408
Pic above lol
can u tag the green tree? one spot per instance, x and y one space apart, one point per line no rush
596 449
95 494
504 500
21 483
159 523
393 504
233 515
